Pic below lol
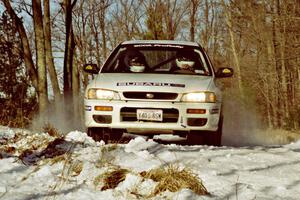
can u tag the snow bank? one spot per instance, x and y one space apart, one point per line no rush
6 133
227 172
77 136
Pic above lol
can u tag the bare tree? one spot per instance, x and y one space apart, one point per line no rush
82 36
233 47
25 44
126 18
104 5
164 18
71 85
259 38
40 51
48 52
194 5
69 47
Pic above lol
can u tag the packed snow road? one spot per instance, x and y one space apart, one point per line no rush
40 166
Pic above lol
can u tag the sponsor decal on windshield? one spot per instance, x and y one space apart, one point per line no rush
158 45
150 84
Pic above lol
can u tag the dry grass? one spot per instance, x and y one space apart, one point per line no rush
170 178
76 168
51 130
173 179
56 159
109 148
275 137
6 146
8 149
98 180
111 178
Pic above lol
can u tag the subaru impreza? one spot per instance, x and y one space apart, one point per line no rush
154 87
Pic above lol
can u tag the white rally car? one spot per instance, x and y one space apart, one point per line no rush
155 87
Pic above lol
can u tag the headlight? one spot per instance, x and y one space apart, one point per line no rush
94 93
205 97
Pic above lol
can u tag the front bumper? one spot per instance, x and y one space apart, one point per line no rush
185 122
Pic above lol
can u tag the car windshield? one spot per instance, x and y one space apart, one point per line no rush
158 59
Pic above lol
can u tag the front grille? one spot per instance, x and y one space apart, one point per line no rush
150 95
170 115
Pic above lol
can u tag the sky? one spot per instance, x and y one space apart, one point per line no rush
245 172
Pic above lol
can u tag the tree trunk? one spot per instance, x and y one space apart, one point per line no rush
283 73
263 68
68 45
215 31
271 80
101 16
95 33
76 96
206 23
41 58
276 46
81 43
194 7
68 62
32 72
234 49
49 56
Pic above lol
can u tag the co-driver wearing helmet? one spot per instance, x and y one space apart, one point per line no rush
135 61
185 63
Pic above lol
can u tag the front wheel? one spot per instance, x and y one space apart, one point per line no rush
105 134
214 138
195 138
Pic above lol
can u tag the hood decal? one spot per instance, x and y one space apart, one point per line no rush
150 84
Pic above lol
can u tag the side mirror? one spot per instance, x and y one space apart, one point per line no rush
224 72
91 68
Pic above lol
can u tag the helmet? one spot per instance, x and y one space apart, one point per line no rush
135 61
135 65
184 61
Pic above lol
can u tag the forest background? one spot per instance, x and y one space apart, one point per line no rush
45 43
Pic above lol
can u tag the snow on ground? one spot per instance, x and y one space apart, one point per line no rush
72 171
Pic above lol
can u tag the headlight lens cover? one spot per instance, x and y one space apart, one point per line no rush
94 93
203 97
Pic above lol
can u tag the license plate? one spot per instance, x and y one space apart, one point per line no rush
150 115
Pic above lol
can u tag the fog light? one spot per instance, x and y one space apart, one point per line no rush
103 108
102 119
196 121
196 111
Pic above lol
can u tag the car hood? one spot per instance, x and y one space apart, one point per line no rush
152 82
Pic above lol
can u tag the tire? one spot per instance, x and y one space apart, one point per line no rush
195 138
105 134
116 135
96 133
214 138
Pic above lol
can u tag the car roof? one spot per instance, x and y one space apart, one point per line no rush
164 42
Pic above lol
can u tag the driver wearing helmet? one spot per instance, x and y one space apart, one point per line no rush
185 62
135 61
